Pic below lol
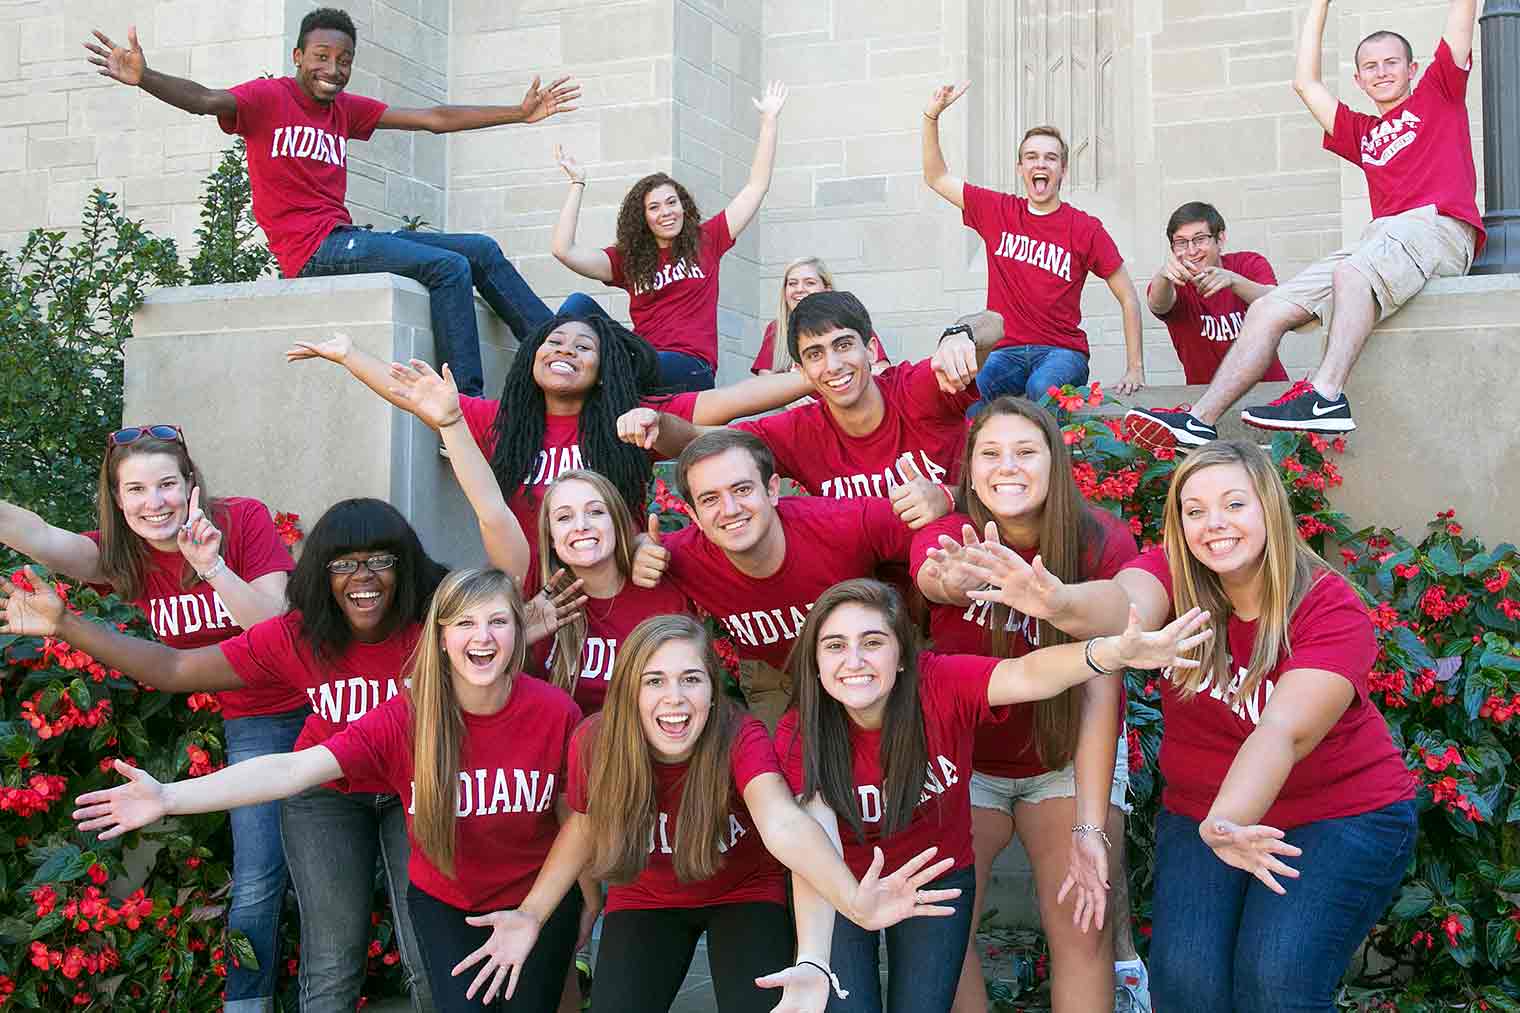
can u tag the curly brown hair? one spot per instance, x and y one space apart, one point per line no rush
641 254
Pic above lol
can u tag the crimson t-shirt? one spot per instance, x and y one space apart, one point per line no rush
1008 750
298 161
197 617
679 312
1037 264
1419 152
608 623
511 771
1202 330
766 356
1355 768
748 874
921 423
276 654
827 541
952 690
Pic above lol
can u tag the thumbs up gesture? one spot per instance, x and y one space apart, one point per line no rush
919 501
650 558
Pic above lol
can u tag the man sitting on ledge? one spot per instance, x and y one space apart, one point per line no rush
298 129
1418 157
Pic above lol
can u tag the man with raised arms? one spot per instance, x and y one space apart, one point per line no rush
1039 253
1418 158
298 131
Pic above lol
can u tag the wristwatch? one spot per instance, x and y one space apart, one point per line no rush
956 329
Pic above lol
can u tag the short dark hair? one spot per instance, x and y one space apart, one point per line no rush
826 311
1195 211
1379 36
721 441
326 17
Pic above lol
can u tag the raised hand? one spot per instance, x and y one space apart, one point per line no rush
640 427
1028 588
1087 874
557 604
120 63
1253 849
944 97
33 612
918 501
804 989
650 559
432 397
567 161
334 349
539 103
879 902
771 102
200 542
123 808
513 934
1134 648
1212 280
1176 271
954 363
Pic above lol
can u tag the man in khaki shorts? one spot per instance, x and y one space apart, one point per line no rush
1418 157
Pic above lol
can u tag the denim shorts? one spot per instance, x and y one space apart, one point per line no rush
1001 793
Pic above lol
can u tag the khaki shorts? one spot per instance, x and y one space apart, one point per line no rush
1001 793
1397 255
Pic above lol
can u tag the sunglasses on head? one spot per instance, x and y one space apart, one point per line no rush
131 434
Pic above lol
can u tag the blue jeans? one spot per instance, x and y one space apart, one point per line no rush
1223 941
924 957
450 265
258 863
1029 370
678 371
332 840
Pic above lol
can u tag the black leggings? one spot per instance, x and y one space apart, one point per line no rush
446 939
644 956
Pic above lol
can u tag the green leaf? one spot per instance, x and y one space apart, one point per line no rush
242 950
1445 561
1413 646
1415 900
15 930
79 692
49 923
1506 662
59 862
1502 946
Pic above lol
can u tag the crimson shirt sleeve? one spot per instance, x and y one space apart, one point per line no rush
789 750
890 539
1153 561
575 770
615 258
363 115
962 680
682 406
252 540
752 754
716 231
374 751
781 432
979 205
1331 631
1443 74
927 537
253 100
479 415
1103 252
1255 267
923 395
262 654
1345 139
767 354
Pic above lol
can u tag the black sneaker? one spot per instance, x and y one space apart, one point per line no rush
1162 429
1304 410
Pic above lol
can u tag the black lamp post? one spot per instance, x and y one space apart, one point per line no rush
1500 25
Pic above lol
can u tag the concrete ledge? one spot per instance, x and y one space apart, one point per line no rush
211 359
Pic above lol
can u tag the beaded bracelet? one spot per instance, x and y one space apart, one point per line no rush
1083 829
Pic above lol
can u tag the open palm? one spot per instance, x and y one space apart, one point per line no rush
501 957
120 63
33 612
126 807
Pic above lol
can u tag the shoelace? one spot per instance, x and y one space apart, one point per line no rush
1298 390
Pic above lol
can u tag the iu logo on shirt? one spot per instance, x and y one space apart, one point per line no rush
1222 328
767 626
1388 139
679 271
935 783
485 792
183 614
1036 252
309 142
659 835
883 482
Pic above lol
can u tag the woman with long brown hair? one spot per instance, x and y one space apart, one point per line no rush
800 279
1272 748
475 750
882 734
666 257
677 800
202 569
1053 765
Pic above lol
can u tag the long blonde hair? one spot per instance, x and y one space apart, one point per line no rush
437 721
1288 569
781 352
564 667
621 774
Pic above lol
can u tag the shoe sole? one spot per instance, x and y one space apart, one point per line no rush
1329 427
1156 435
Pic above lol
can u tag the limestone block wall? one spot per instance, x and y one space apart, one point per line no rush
64 129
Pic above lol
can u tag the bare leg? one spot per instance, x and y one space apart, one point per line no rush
991 832
1251 356
1356 313
1081 963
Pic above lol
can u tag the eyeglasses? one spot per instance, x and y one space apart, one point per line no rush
131 434
374 564
1198 242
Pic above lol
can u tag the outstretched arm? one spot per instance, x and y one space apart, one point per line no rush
128 65
339 348
586 261
721 405
59 550
143 799
741 210
1459 30
936 173
537 103
1306 70
39 612
958 356
1123 288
